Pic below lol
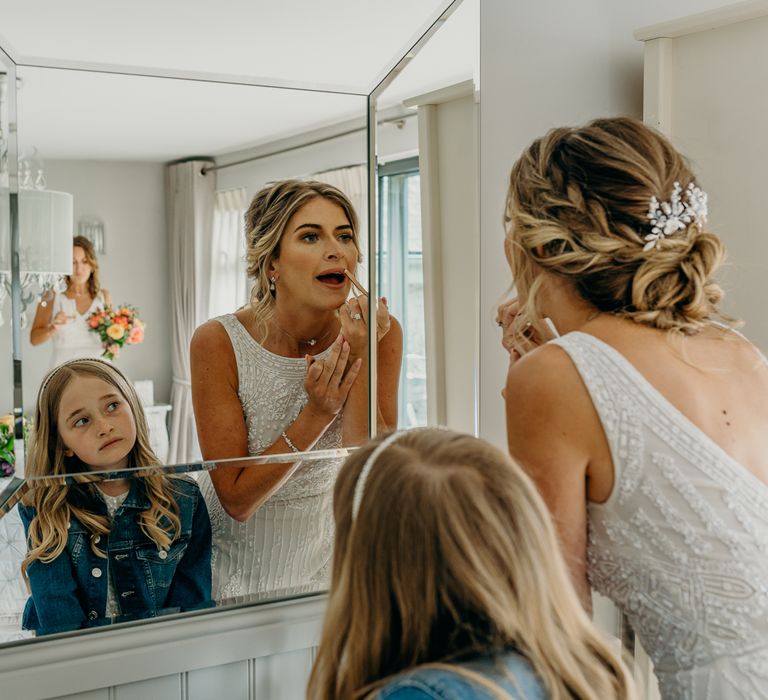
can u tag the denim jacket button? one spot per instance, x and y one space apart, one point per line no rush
96 572
93 615
162 554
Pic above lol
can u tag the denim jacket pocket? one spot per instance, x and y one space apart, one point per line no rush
159 565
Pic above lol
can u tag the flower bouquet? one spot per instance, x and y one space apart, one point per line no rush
116 326
7 457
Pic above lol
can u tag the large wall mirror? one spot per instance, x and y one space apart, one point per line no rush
147 179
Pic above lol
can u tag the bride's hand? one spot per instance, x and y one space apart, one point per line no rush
354 323
535 334
326 383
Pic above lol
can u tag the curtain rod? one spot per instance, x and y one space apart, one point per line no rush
303 145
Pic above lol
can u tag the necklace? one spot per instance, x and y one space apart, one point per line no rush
310 341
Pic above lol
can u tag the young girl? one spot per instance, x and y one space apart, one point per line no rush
448 583
97 550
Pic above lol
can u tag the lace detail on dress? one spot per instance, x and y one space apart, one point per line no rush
680 545
286 545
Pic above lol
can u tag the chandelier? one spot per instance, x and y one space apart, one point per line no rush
45 221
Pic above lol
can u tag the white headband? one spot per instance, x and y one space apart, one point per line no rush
56 369
383 445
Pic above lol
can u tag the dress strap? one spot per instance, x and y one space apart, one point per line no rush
606 381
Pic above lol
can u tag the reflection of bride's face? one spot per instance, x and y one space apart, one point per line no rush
316 247
81 268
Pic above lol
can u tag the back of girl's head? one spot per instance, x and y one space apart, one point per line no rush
265 222
46 454
578 207
451 553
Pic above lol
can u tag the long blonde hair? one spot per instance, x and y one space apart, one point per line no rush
57 502
265 222
452 553
577 207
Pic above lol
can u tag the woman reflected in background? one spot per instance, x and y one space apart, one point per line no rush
286 373
61 318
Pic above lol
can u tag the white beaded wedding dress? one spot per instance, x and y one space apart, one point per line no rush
285 547
681 544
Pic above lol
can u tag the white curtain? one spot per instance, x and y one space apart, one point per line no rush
353 182
229 281
190 197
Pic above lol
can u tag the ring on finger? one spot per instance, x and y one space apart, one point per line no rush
355 317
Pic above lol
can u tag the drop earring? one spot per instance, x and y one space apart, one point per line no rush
271 284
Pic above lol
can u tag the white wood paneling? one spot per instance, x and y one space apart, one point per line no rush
227 682
262 651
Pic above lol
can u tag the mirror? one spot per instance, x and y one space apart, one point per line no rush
125 153
11 427
165 228
428 222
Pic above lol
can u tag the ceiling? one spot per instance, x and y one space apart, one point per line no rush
343 45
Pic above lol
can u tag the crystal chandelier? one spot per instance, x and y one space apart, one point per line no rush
45 220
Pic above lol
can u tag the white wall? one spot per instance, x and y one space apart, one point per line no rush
129 199
546 64
704 75
449 215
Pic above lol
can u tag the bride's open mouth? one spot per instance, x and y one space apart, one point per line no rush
335 280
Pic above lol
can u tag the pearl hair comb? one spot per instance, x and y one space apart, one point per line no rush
667 218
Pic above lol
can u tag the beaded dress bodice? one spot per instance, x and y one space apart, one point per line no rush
681 544
286 545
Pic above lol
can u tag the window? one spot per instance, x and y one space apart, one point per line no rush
401 277
228 277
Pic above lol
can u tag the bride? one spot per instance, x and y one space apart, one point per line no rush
287 373
644 424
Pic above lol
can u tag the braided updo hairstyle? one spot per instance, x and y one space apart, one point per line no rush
265 222
577 207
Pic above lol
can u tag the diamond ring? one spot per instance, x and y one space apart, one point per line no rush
355 317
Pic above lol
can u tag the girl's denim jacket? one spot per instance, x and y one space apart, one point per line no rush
71 591
510 672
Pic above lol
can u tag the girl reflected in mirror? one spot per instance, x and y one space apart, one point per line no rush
448 583
61 318
104 550
644 424
287 373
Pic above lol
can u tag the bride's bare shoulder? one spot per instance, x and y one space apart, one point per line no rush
210 337
544 389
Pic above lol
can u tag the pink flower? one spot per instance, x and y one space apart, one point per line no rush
136 335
